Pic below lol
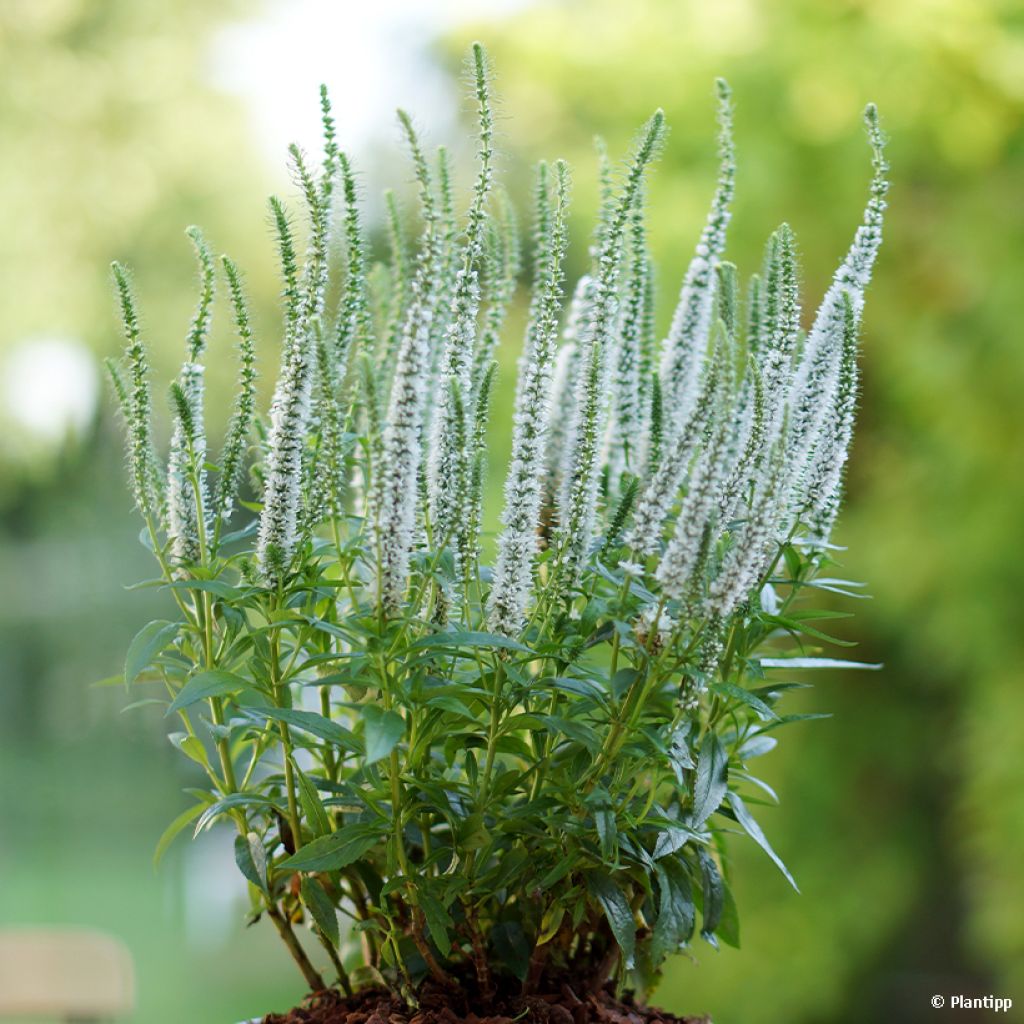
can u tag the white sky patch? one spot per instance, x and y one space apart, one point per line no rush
50 388
373 56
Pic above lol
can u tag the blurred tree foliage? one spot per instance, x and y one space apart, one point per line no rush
904 816
113 142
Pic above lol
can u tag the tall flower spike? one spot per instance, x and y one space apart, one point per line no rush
396 487
501 271
331 154
146 477
751 442
686 341
628 379
399 278
674 457
579 514
755 313
444 284
328 473
355 323
290 408
819 363
449 472
825 475
289 264
518 541
697 524
752 548
562 433
563 389
188 505
478 469
245 403
780 324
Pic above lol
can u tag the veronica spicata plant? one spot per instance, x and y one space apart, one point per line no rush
503 770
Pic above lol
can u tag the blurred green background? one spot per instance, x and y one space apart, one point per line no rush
903 816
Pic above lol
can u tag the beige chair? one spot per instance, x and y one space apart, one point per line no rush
64 974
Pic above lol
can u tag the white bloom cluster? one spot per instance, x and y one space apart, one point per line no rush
577 527
187 455
663 485
396 486
816 385
698 521
187 501
517 544
686 476
562 420
451 455
290 408
752 547
684 346
630 384
245 403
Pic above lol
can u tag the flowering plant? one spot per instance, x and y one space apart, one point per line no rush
522 768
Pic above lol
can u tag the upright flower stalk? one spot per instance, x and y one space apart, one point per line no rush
148 486
233 453
396 483
686 341
816 381
578 517
187 499
518 541
289 411
451 455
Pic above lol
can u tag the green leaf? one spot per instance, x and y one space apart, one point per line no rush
117 680
622 681
577 731
728 929
794 626
438 921
191 746
616 909
383 731
146 645
320 906
452 705
713 897
712 779
820 663
580 687
173 829
308 721
213 683
251 859
676 911
230 802
762 710
336 851
313 809
671 840
751 827
607 832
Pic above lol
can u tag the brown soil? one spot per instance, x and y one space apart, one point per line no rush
441 1006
